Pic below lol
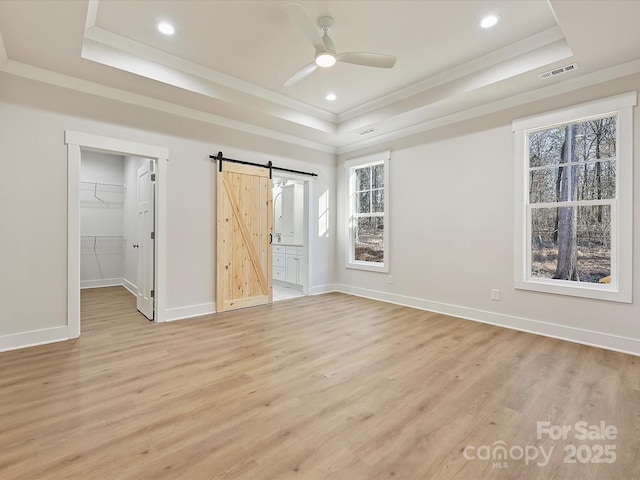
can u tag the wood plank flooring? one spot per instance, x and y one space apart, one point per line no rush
327 387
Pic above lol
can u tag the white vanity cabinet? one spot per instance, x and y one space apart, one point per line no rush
288 263
294 257
279 263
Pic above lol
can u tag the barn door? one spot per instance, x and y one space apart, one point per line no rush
244 227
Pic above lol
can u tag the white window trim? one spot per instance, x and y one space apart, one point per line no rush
620 290
380 157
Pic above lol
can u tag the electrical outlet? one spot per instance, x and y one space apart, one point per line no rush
495 294
389 278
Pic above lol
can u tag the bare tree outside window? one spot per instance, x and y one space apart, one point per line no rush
368 231
572 184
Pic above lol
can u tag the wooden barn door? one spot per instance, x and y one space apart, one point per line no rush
244 227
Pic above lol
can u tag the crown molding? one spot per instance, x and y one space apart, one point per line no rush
537 42
64 81
72 83
566 86
219 85
150 69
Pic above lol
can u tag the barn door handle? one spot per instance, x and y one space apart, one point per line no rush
271 239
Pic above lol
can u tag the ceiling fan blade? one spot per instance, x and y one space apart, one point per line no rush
300 74
328 43
306 26
378 60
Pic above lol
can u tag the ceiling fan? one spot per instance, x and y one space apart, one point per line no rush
326 55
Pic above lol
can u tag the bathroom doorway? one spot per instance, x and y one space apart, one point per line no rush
290 244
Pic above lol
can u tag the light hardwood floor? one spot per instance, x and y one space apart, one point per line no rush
325 387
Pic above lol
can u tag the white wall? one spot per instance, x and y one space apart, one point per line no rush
33 118
452 232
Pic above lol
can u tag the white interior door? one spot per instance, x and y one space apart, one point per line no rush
145 196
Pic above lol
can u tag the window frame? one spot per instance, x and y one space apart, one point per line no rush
350 167
620 288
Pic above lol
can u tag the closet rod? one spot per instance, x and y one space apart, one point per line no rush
102 183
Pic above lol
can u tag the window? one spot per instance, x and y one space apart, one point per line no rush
368 212
574 200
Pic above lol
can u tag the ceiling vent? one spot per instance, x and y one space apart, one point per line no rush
558 71
368 132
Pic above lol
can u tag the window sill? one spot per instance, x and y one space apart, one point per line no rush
576 289
371 267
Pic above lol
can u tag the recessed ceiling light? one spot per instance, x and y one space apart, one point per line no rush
490 21
331 97
166 28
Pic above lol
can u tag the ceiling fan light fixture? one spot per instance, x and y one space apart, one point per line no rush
325 59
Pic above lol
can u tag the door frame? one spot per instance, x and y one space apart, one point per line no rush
77 142
306 209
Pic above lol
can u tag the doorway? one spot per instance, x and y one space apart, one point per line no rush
77 143
290 236
117 225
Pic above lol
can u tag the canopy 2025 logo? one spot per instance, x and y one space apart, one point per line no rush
500 453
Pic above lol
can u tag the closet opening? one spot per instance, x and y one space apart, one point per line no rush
117 228
108 234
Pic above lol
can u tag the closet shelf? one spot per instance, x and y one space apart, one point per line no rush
104 189
84 182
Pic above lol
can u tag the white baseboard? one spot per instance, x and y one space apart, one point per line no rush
130 286
110 282
561 332
320 289
35 337
107 282
190 311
